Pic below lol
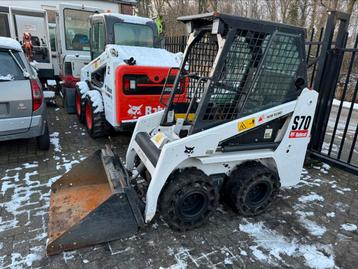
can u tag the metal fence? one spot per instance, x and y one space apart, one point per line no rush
335 131
175 43
333 72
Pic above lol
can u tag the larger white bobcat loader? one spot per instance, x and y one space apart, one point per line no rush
240 132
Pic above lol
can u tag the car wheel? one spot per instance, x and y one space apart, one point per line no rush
95 122
188 199
43 141
79 105
250 189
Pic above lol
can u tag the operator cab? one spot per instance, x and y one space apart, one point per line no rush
119 29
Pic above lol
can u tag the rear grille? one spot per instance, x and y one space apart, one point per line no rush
143 85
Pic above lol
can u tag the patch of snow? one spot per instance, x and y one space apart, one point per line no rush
67 166
30 165
8 77
68 255
346 104
55 141
315 256
82 85
180 257
85 261
51 82
96 99
312 227
326 166
49 94
350 227
342 207
228 261
325 148
243 252
18 261
259 254
310 198
331 214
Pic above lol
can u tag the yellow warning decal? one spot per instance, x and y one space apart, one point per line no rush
246 124
158 137
96 64
191 116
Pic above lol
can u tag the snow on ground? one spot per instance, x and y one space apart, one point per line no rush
29 198
331 214
349 227
346 104
55 141
49 94
272 247
311 198
51 82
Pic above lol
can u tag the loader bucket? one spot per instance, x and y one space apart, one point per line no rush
92 203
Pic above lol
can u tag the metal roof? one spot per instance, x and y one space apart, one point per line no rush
237 21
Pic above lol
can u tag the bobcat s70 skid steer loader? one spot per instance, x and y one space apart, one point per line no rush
239 133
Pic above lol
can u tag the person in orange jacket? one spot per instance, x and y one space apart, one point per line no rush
27 45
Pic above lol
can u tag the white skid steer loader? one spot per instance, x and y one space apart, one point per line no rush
238 133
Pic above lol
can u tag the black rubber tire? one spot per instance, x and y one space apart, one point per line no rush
99 127
192 183
239 189
80 111
43 141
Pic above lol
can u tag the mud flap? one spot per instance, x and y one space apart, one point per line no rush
92 203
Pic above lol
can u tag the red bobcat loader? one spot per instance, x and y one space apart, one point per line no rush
126 79
247 123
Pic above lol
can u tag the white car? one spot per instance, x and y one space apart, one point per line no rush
22 106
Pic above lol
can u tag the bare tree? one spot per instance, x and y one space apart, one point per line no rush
350 6
272 9
303 7
284 6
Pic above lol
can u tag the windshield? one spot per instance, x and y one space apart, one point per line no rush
31 33
133 35
77 25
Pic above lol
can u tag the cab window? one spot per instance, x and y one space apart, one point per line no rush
130 34
77 25
98 39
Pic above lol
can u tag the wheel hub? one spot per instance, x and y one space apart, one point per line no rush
258 193
78 104
88 116
193 204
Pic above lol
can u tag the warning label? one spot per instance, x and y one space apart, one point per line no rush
246 124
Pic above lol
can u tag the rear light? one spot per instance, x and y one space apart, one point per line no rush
36 95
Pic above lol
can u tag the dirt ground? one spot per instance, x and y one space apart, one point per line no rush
312 225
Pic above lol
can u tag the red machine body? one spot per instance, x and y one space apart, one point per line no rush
139 88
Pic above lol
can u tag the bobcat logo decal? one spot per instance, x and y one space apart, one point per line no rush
134 110
189 150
